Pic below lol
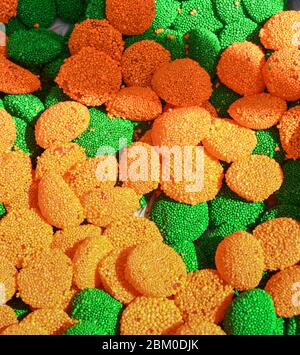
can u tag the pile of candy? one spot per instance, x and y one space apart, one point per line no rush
83 251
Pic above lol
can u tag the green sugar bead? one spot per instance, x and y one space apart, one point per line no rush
34 47
289 193
25 139
251 313
98 307
55 96
205 48
210 240
261 10
104 131
292 326
13 25
21 309
227 207
229 10
86 328
222 98
1 103
280 326
96 9
268 143
288 211
37 12
25 106
166 13
192 256
69 11
197 14
239 31
179 222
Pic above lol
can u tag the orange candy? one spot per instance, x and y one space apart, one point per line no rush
23 234
289 130
130 231
130 17
15 176
182 83
260 111
98 34
8 9
24 329
69 239
58 203
202 187
228 141
61 123
53 321
59 159
103 207
240 260
281 31
91 173
281 74
17 79
206 296
8 317
8 131
155 270
284 289
90 77
136 104
150 316
86 259
141 60
254 178
46 280
280 239
186 126
8 274
240 68
112 275
140 168
201 327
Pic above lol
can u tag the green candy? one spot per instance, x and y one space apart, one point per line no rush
205 48
261 10
25 106
69 11
104 131
25 139
179 222
37 12
239 31
292 326
14 24
55 96
227 207
222 98
229 10
21 309
166 13
51 69
251 313
96 10
192 256
280 326
35 47
289 193
2 210
197 14
288 211
86 328
97 307
268 143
